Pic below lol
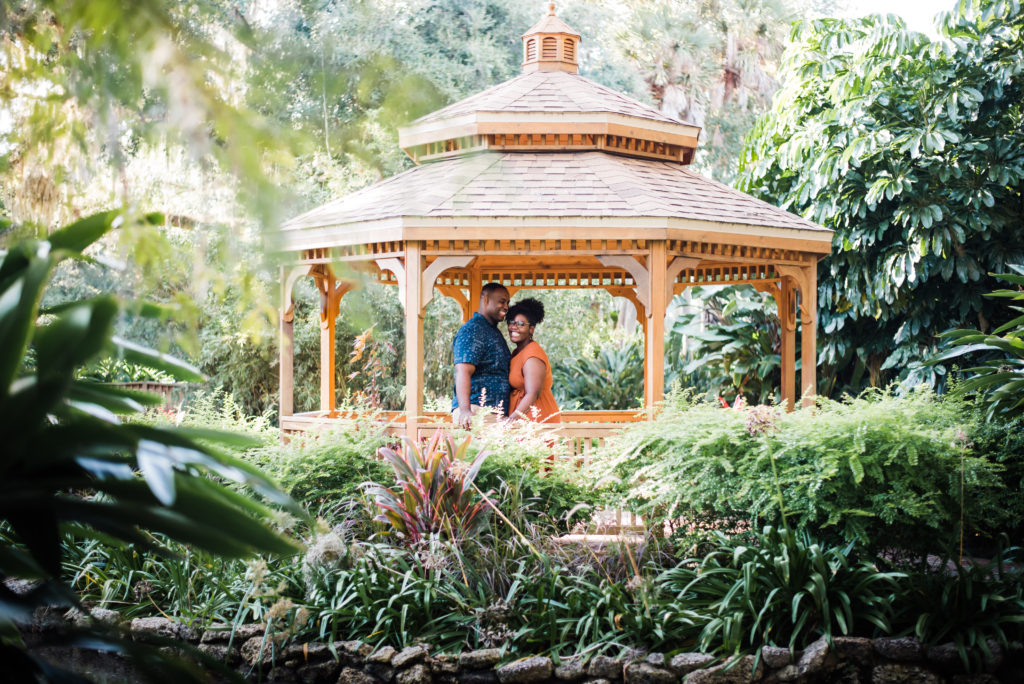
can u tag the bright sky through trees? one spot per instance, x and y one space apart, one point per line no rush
918 14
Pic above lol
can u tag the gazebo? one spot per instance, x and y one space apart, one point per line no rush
548 180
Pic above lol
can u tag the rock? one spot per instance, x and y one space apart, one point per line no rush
156 626
897 673
788 673
260 650
215 634
445 664
604 667
303 653
356 650
417 674
409 655
384 673
221 652
350 675
318 673
900 649
480 677
107 617
221 632
741 671
597 681
479 660
775 656
645 673
814 659
858 649
685 663
535 669
248 631
944 655
570 669
281 675
382 655
995 661
656 659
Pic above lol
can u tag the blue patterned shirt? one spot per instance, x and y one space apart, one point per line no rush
480 343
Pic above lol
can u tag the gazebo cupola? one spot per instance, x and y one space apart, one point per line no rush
550 45
549 108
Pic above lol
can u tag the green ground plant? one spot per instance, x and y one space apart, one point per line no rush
781 588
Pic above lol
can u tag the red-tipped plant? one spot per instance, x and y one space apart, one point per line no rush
433 492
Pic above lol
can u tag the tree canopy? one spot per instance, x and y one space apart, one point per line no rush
912 151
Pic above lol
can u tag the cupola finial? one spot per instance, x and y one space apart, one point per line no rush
550 45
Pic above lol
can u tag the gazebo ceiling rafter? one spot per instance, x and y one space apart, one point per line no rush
549 180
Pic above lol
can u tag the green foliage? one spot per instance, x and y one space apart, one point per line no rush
911 151
1001 380
536 481
329 468
71 465
880 470
611 379
733 345
434 492
781 588
977 604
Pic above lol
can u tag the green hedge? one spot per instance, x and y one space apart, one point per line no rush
883 470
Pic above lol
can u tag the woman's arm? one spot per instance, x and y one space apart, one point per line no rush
533 378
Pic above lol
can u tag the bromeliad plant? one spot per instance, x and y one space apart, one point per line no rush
433 492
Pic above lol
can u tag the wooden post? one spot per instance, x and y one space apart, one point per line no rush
476 283
286 349
809 334
413 338
654 343
787 325
328 319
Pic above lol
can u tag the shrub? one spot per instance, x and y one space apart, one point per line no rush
328 468
534 475
882 470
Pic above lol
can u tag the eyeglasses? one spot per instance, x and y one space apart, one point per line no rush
518 324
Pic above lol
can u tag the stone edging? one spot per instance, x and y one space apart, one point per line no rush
853 660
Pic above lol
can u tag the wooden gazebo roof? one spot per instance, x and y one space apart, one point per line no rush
552 180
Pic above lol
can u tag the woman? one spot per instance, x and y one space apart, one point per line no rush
530 370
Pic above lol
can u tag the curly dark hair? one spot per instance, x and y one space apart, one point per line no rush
529 307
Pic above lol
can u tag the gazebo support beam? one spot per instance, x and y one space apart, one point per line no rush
806 279
785 300
331 292
286 348
414 298
654 346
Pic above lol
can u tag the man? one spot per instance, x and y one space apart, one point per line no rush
482 358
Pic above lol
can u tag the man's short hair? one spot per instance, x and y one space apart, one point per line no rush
491 287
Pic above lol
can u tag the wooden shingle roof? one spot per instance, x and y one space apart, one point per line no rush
602 188
553 92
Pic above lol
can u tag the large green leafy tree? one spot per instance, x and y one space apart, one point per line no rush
912 151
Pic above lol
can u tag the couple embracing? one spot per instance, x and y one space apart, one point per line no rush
488 376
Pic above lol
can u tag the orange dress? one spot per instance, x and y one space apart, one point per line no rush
545 403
